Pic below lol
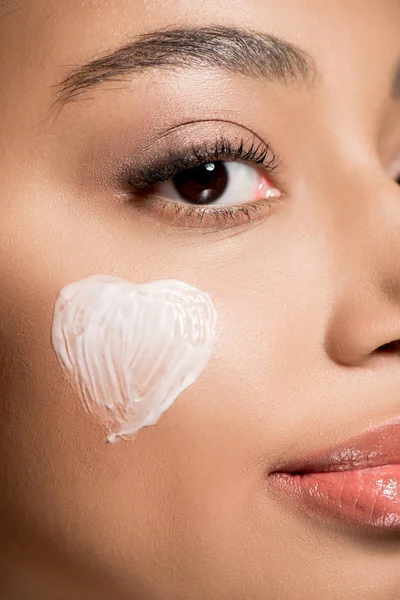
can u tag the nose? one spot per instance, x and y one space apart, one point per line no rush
364 321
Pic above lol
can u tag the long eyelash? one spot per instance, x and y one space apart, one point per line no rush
257 153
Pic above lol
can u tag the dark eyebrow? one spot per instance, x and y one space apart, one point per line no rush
234 50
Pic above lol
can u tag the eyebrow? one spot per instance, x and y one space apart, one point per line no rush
233 50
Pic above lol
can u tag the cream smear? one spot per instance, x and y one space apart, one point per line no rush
129 350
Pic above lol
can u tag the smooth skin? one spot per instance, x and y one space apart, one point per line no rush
308 301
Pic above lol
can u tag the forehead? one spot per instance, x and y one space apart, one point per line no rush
342 36
131 15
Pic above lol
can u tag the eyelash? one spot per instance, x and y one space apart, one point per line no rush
222 150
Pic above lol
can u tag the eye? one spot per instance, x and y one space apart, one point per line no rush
223 183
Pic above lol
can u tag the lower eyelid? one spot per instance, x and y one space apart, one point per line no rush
214 218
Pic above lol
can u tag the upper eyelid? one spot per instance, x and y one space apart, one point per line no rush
209 130
192 157
202 124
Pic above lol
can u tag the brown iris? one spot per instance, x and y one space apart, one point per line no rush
204 184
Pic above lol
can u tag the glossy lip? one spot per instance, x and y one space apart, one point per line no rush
374 447
357 482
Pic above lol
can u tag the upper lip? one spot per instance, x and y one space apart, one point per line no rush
374 447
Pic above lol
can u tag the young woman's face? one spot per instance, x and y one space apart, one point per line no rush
307 287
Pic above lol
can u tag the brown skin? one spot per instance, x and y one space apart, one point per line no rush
306 299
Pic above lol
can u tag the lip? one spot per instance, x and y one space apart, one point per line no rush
357 482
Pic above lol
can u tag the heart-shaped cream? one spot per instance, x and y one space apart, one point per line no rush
129 350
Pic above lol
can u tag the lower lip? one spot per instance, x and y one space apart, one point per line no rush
368 497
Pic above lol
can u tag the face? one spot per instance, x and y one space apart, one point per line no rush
103 172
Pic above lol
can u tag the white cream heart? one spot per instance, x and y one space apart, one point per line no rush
129 350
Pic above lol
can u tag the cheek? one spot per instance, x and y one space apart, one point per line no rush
201 461
129 350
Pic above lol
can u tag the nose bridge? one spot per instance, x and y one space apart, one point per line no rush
363 226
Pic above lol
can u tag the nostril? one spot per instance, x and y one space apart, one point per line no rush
391 347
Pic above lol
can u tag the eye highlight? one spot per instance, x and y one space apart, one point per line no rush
209 186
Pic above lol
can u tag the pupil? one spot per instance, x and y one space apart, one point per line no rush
204 184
